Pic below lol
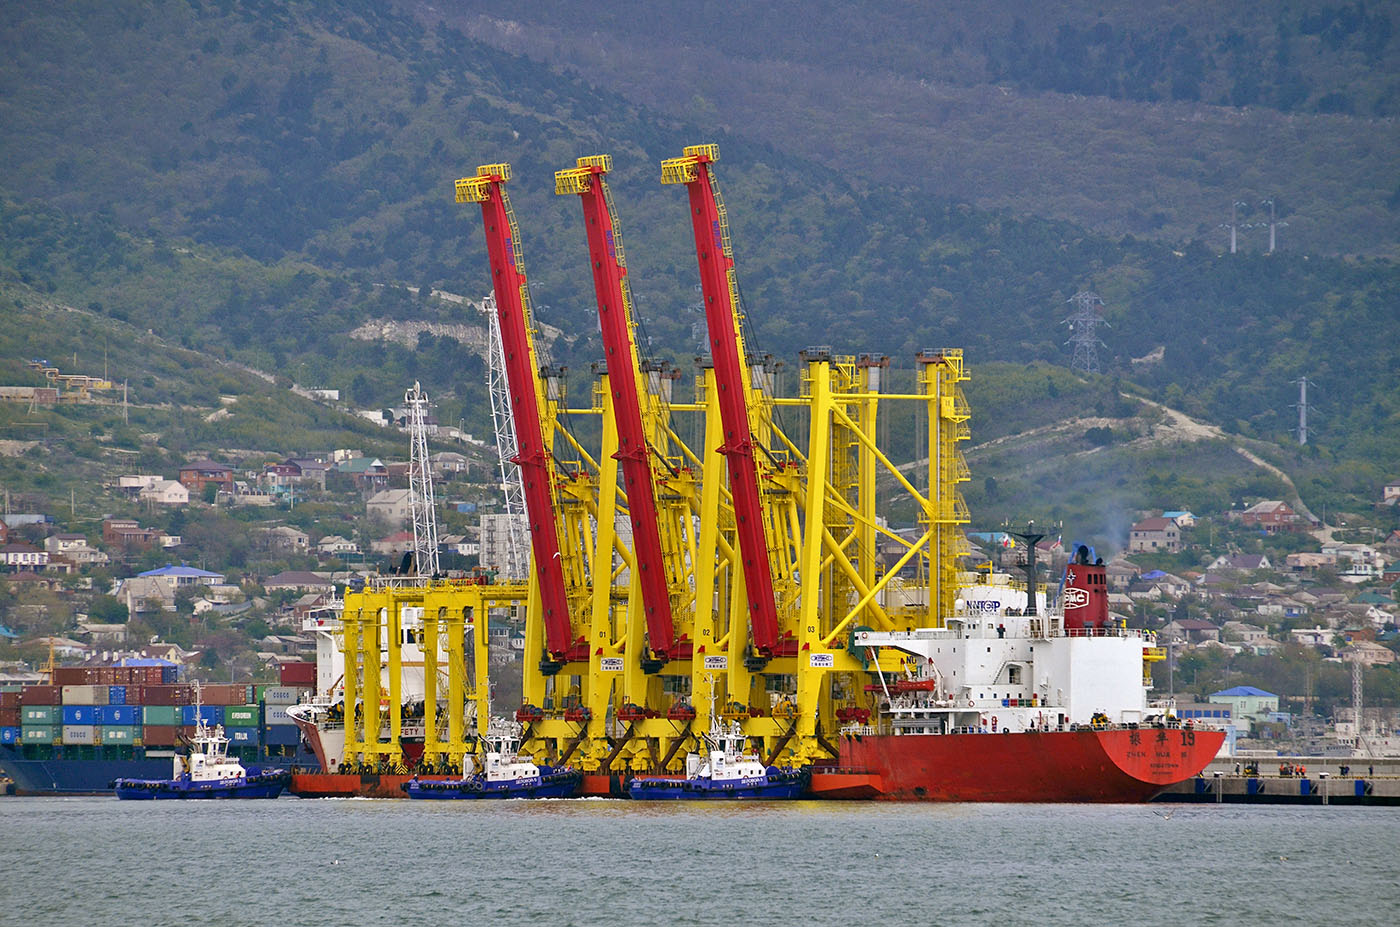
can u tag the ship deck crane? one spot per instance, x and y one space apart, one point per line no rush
528 401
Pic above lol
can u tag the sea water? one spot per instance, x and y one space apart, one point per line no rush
98 862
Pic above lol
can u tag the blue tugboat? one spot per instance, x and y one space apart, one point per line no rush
728 772
207 772
505 775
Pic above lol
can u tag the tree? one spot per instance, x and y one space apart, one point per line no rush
106 609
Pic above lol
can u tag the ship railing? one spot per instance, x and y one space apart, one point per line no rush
1110 632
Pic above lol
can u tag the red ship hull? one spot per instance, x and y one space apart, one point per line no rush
344 785
1058 766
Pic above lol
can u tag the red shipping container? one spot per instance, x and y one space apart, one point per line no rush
167 695
9 699
298 674
158 735
154 675
42 695
70 676
9 717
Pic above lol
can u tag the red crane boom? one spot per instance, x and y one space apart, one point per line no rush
533 456
609 266
720 291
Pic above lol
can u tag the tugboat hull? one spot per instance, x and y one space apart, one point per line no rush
265 785
549 784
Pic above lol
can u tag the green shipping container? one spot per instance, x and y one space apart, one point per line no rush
38 715
164 715
242 716
118 734
39 734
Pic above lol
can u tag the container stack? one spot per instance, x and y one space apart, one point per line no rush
146 706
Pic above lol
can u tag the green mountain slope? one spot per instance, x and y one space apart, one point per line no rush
258 180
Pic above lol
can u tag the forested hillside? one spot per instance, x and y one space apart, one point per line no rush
257 180
1128 118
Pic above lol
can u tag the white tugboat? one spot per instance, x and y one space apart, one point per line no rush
206 772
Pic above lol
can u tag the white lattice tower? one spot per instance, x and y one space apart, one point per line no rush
420 485
1083 334
517 548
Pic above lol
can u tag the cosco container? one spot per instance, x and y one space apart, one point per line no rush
79 715
86 695
9 735
80 733
212 714
281 695
39 734
276 716
242 716
168 715
117 734
37 714
122 715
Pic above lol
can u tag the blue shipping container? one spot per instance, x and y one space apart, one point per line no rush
212 714
79 714
119 715
116 695
243 735
169 675
9 735
281 735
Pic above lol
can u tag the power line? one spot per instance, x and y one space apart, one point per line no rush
1083 331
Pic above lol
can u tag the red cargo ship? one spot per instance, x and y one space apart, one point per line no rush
1013 702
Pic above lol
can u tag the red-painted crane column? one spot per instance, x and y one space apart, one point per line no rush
605 256
721 320
533 458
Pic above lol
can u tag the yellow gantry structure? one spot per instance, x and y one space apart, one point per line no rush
619 703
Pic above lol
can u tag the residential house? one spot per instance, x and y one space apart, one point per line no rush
201 473
448 464
1390 495
132 483
458 544
1247 703
165 492
298 581
1239 563
1308 562
103 636
17 555
1356 563
312 602
394 507
397 543
126 534
64 647
1184 519
1271 516
1167 585
368 473
177 577
75 549
336 546
285 537
1192 630
1154 535
1243 633
30 579
1119 574
1312 637
1369 653
245 493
